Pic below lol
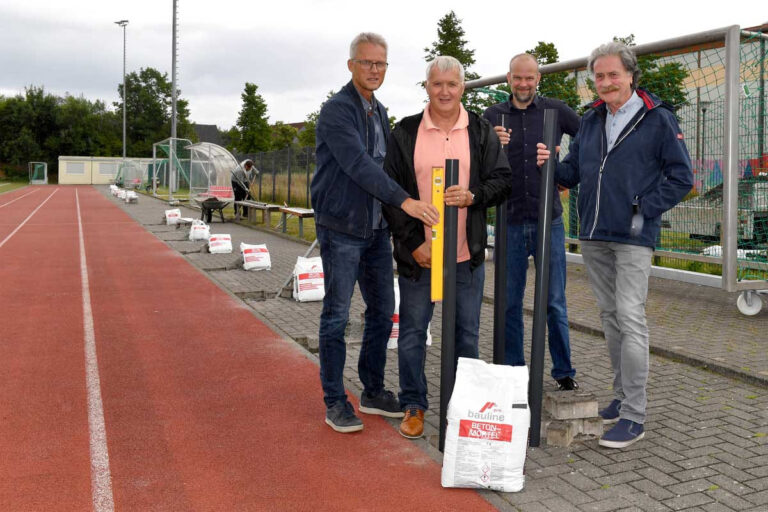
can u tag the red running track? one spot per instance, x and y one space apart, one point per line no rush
204 407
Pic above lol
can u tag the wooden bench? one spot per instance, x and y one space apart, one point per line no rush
265 208
300 213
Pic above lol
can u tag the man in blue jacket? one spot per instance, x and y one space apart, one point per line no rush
347 191
632 165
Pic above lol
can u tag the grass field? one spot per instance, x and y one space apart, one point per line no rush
7 186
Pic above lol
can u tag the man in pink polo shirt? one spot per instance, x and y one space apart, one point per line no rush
418 143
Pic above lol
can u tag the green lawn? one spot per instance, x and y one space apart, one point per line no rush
7 186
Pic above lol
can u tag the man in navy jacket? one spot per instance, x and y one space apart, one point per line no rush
523 127
631 163
347 191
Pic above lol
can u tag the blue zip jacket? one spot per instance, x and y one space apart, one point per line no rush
649 165
347 176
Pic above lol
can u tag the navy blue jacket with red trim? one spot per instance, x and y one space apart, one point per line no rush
649 164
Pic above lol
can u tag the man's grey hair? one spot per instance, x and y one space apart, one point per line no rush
366 37
446 63
621 50
524 56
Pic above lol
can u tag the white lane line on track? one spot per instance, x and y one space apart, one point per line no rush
28 217
101 477
21 197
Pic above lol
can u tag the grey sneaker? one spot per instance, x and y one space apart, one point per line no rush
341 418
383 404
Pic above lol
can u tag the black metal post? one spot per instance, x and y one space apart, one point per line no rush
448 343
261 171
573 216
308 152
289 175
540 301
274 174
499 282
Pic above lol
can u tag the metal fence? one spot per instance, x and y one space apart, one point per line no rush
284 175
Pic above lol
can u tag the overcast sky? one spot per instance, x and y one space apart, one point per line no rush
296 50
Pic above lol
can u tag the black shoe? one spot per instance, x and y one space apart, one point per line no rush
383 404
341 418
567 384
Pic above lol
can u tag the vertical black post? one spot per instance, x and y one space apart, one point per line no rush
573 216
274 174
261 171
289 175
543 242
448 343
499 282
308 151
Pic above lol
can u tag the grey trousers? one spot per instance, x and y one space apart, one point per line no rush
618 274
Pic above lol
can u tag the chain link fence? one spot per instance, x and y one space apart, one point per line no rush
284 175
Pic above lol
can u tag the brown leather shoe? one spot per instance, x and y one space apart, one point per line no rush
412 425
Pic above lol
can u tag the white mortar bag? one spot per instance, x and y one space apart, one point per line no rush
131 197
488 423
199 230
220 244
255 257
308 279
172 216
121 194
394 334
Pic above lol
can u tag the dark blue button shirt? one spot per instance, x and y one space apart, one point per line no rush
527 130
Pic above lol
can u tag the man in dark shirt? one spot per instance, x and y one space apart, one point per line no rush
519 124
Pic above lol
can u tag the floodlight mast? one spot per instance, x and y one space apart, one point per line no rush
123 24
172 145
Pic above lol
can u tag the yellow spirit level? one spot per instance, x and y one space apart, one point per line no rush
438 190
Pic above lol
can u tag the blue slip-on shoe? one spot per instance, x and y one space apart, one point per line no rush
611 413
341 418
384 404
623 434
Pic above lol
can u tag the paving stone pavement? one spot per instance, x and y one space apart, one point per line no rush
706 445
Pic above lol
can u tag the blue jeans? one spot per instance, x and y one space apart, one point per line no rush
619 275
348 259
521 243
416 310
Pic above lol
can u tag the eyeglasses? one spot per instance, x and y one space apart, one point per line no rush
370 64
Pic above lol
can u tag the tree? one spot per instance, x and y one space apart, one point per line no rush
231 138
255 134
450 41
307 135
283 135
555 85
148 107
85 128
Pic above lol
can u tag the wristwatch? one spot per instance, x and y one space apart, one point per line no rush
472 196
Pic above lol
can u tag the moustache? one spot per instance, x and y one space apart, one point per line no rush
610 88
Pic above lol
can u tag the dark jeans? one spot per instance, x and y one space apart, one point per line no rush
346 260
240 194
416 310
521 243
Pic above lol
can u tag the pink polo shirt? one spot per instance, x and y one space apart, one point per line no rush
433 147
